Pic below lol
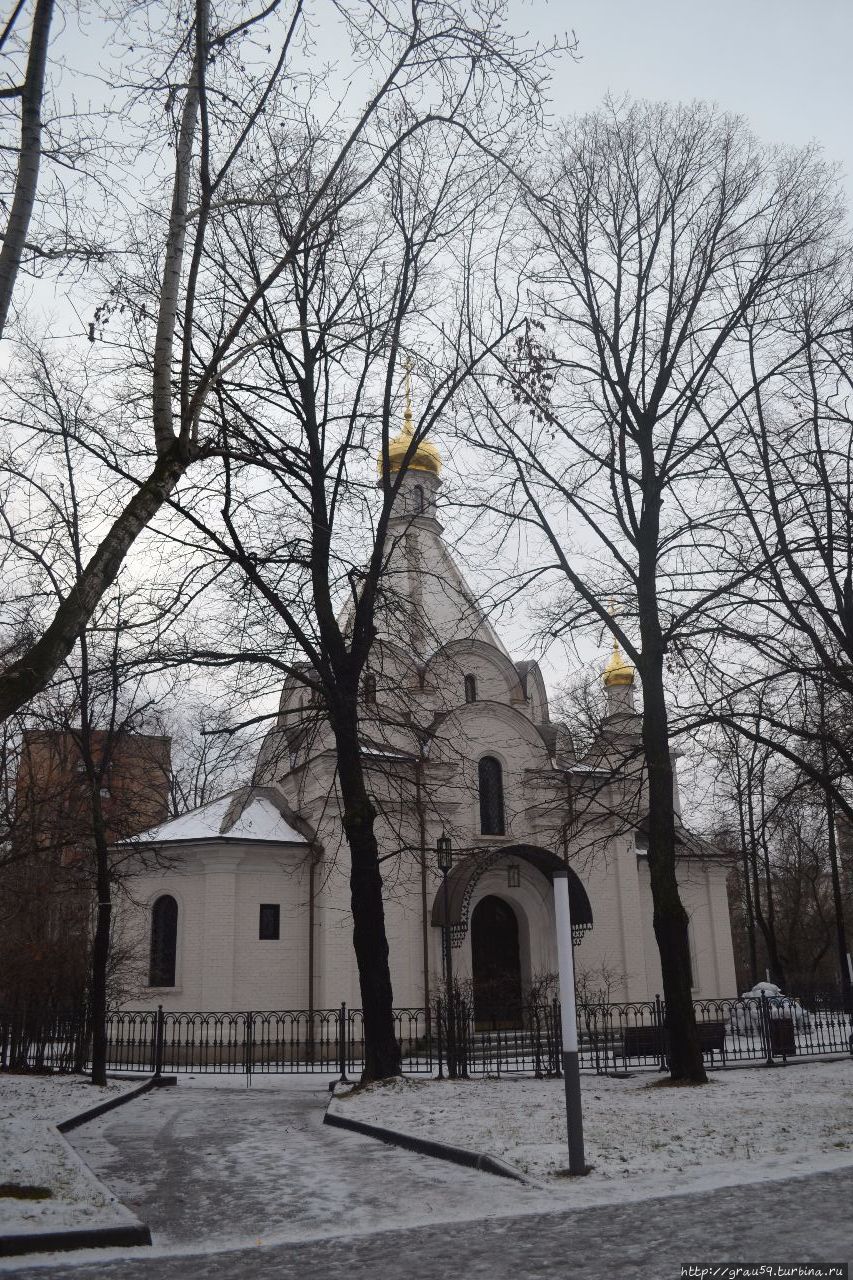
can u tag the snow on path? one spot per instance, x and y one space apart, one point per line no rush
237 1182
34 1153
641 1138
227 1165
804 1220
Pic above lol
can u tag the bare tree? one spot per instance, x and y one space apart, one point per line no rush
788 464
174 347
30 93
303 519
663 230
209 752
88 780
791 898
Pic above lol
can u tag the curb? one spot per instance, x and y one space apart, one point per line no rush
427 1147
84 1238
83 1117
130 1233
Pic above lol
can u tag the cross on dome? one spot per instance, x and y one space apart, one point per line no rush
426 456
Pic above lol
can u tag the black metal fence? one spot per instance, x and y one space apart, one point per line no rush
623 1037
528 1040
37 1042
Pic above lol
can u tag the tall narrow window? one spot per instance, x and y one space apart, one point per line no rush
470 688
164 942
370 687
491 797
418 494
269 922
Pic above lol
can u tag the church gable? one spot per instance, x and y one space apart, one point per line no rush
243 815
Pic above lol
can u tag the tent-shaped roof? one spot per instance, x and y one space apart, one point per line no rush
246 814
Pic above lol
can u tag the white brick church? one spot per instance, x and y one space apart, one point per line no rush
251 909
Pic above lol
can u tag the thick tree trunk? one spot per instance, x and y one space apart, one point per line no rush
26 677
29 158
669 917
381 1050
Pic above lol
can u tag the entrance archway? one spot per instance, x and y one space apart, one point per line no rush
495 964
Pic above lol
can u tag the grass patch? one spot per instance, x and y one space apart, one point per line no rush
23 1191
391 1084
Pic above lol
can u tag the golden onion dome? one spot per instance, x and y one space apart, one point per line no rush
618 670
426 456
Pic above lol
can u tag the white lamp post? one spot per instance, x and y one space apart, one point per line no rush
568 1018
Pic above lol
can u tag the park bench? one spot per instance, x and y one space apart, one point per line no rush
645 1042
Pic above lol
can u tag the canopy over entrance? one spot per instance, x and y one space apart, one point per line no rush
462 881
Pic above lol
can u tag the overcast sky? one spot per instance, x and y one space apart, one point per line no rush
784 64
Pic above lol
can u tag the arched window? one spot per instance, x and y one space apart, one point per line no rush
470 688
370 688
418 494
164 942
491 797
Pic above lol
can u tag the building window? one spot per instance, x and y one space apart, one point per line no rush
491 797
164 942
269 922
418 493
470 688
370 688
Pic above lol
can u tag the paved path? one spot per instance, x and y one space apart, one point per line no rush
800 1220
236 1164
224 1199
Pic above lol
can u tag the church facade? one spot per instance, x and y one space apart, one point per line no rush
248 905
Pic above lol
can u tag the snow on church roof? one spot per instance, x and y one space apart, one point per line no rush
259 819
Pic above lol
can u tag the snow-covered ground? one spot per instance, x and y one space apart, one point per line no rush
642 1138
34 1154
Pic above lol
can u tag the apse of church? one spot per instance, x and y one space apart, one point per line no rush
458 742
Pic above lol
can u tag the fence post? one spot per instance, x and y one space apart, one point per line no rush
78 1048
460 1013
537 1058
659 1019
768 1031
440 1045
249 1049
159 1035
342 1042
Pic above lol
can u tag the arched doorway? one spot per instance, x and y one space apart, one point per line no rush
495 964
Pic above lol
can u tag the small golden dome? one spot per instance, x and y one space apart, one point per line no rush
618 670
426 456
